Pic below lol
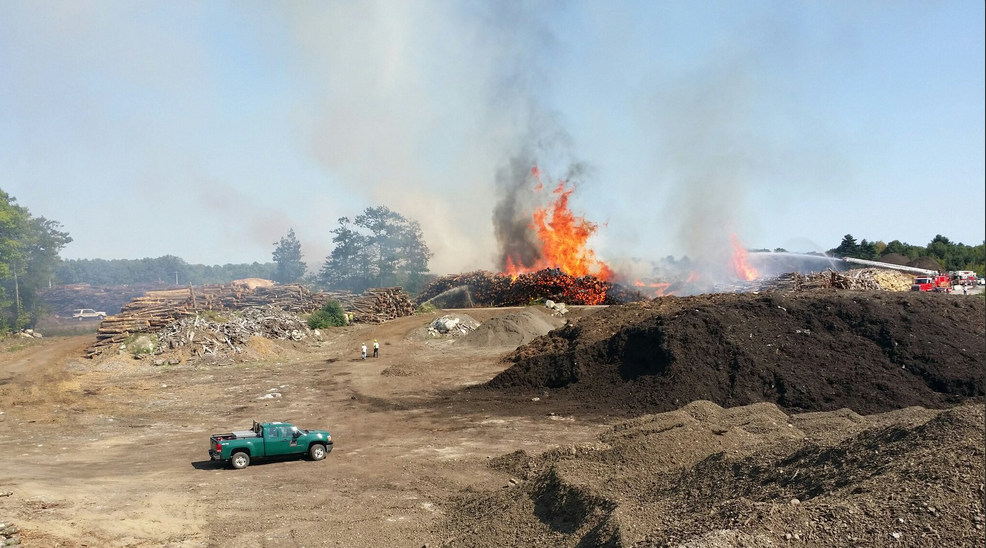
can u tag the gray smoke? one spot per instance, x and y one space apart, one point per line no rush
549 150
512 213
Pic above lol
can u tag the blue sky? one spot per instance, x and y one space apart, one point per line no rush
208 129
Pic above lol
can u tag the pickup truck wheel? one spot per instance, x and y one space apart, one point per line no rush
316 451
240 460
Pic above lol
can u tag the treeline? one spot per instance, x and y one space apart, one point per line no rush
29 248
378 248
167 269
949 255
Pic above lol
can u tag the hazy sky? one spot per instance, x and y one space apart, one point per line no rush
208 129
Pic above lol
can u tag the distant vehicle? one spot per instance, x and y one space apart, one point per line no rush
269 439
87 314
963 277
940 284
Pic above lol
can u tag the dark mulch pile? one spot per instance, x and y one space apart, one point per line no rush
894 258
926 263
867 351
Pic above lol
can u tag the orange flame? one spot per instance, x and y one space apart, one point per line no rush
744 270
563 237
652 289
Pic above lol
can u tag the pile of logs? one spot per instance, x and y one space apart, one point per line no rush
156 310
491 289
860 279
375 305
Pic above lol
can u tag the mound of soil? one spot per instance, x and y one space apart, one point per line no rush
512 329
894 258
925 262
867 351
747 476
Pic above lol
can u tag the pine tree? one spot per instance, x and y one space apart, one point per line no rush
287 256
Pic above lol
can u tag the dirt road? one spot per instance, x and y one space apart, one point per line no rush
114 453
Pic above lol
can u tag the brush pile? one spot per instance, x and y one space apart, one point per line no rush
158 309
200 336
486 288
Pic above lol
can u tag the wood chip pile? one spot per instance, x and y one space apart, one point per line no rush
492 289
862 279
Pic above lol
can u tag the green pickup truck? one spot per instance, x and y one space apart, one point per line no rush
268 439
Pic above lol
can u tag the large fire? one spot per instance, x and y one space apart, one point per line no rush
741 266
562 237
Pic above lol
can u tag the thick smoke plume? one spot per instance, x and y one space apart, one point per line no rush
512 214
524 184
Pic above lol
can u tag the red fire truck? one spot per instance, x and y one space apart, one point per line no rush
963 277
940 284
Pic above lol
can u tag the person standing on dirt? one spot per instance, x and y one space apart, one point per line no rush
376 349
363 352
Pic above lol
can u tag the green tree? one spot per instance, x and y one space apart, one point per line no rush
29 250
848 247
399 255
348 266
380 248
330 315
287 256
867 250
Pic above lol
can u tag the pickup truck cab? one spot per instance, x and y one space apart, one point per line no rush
268 439
87 314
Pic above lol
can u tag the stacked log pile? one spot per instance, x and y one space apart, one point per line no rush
377 305
491 289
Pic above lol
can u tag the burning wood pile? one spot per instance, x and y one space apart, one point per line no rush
490 289
158 309
201 336
375 305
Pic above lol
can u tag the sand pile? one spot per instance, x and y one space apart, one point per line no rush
513 329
